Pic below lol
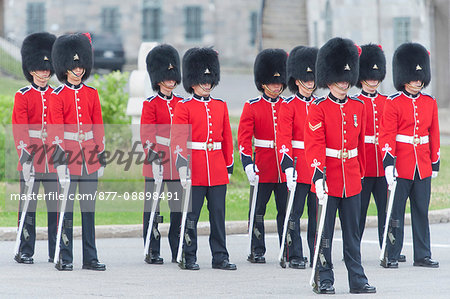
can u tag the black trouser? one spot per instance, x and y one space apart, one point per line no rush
264 192
87 187
217 237
378 187
296 248
349 210
175 214
49 181
419 195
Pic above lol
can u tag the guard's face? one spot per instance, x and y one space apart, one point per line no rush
40 77
203 89
416 83
75 76
339 89
305 88
275 87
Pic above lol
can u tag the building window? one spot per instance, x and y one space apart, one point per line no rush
193 23
110 20
328 21
402 31
151 30
35 17
253 27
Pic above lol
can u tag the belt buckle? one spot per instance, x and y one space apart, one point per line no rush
416 140
44 134
210 146
376 140
81 137
343 154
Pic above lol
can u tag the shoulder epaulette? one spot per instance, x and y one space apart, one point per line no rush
319 100
393 96
185 100
149 99
254 100
288 99
90 87
177 96
58 89
25 89
428 95
356 99
382 94
218 99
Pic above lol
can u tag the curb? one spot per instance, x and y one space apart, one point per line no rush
231 227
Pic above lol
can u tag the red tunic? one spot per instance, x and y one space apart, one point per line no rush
210 126
29 120
333 127
374 109
76 110
156 120
259 119
410 131
290 135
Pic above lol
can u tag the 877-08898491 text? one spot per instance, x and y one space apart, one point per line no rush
112 195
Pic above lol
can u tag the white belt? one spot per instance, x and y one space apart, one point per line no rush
371 139
37 134
78 136
298 144
210 146
345 154
163 140
264 143
412 139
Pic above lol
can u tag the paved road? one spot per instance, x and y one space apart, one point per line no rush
128 276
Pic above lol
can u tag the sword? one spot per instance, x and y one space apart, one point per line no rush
29 189
284 244
391 190
187 195
253 196
321 211
157 191
59 235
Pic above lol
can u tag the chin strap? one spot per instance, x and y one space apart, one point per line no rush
414 88
168 87
40 77
306 87
271 91
206 89
371 86
343 89
82 74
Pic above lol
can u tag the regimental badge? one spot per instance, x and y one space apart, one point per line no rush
207 71
309 70
418 67
375 67
76 57
313 128
170 66
277 74
347 67
355 120
45 58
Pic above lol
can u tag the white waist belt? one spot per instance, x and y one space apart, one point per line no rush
163 140
412 139
346 154
210 146
264 143
37 134
75 136
371 139
298 144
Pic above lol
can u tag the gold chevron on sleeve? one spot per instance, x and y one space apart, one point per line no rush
313 128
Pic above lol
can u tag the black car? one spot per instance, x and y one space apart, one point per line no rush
108 52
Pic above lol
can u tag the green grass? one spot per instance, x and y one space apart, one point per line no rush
9 65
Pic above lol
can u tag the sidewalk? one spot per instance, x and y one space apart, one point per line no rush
232 227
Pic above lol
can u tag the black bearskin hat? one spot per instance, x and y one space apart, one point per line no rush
36 53
71 51
372 64
163 63
301 65
270 67
411 62
200 65
337 61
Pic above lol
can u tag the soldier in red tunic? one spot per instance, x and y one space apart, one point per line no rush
301 65
78 137
29 119
211 148
259 119
163 66
334 138
410 132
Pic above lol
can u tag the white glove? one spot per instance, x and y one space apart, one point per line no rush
291 178
389 174
182 171
320 191
157 169
100 171
251 174
63 174
26 171
434 174
229 176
